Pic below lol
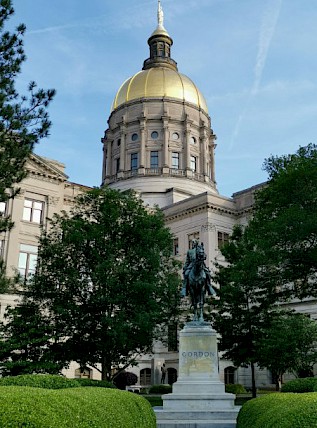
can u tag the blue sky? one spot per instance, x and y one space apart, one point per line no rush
255 61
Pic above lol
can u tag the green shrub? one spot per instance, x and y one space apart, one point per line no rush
279 411
73 407
40 381
155 401
235 388
307 384
93 382
160 389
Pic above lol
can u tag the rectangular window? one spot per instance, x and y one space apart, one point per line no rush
33 211
154 160
134 161
117 165
1 248
191 238
175 160
223 238
175 247
2 207
27 260
193 163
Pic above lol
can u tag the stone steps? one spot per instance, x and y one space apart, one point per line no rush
196 418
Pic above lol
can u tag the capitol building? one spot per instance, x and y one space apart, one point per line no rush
159 142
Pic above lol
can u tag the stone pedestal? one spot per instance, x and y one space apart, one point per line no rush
198 399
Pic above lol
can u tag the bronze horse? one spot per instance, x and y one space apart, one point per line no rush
199 283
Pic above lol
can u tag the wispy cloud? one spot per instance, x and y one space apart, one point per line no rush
267 29
268 26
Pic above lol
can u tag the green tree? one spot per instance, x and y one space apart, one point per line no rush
288 345
241 311
272 259
23 119
105 280
26 339
284 225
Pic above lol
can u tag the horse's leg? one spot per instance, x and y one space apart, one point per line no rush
201 303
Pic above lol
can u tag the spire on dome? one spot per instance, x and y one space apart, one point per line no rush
160 44
160 15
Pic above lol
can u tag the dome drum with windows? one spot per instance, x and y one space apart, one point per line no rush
159 141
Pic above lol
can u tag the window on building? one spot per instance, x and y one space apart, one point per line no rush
229 375
175 247
119 142
154 135
33 211
27 260
191 238
172 337
134 137
193 163
175 136
154 160
1 248
175 160
84 373
223 238
193 140
134 161
117 165
145 377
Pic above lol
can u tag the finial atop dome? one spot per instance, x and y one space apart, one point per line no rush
160 15
160 43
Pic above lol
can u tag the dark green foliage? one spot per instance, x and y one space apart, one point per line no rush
105 280
279 411
26 342
285 225
95 383
23 119
288 344
40 381
123 379
242 311
154 401
271 260
73 407
160 389
308 384
235 388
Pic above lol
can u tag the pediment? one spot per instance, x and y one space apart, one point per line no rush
40 166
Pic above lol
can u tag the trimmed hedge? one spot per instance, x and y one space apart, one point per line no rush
279 410
235 388
160 389
307 384
40 381
94 382
73 407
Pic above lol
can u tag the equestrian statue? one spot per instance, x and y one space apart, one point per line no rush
197 280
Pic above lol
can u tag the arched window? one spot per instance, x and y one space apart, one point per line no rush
229 374
171 375
145 377
84 373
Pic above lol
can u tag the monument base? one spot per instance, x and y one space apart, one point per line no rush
198 399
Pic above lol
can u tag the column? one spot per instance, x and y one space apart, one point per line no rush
122 148
142 144
108 171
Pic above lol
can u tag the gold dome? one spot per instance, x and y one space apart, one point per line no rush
159 82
